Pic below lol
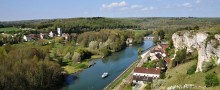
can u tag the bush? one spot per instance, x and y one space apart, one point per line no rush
82 66
208 66
148 58
105 52
211 80
148 86
140 50
151 64
180 57
162 75
191 70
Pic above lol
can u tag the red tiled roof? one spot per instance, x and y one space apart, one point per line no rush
164 46
147 70
167 60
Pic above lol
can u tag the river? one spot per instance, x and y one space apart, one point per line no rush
90 79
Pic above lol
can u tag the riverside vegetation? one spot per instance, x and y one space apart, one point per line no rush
40 63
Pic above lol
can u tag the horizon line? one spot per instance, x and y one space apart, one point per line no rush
105 17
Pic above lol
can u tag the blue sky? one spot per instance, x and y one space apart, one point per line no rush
49 9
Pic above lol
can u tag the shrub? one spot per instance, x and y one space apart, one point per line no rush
191 70
150 64
140 50
208 65
82 66
148 86
211 80
148 59
180 57
105 52
162 75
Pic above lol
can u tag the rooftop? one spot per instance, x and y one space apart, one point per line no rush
147 70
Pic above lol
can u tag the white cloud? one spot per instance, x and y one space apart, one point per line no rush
198 1
148 8
136 6
188 5
114 5
124 6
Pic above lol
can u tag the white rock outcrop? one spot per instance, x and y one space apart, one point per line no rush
207 47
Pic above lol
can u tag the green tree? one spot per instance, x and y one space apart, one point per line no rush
180 57
191 70
105 52
211 80
161 34
196 27
140 50
76 57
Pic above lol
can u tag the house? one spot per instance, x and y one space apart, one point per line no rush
164 47
59 32
50 34
159 52
26 38
66 36
41 36
167 60
142 75
129 40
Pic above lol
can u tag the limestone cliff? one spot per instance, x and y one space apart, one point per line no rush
206 45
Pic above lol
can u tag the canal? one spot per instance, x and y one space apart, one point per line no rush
90 79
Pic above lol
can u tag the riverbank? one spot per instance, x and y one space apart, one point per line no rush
77 67
114 64
126 76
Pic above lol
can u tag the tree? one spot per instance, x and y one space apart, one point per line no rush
76 57
180 57
105 52
140 50
196 27
191 70
139 38
211 80
161 34
93 45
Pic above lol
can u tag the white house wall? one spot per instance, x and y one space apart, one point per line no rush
148 75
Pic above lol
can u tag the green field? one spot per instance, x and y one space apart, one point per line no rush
10 29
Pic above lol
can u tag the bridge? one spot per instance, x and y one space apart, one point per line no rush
149 38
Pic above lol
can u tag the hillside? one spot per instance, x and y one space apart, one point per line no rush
179 76
96 23
196 58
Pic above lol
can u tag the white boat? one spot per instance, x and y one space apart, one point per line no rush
104 75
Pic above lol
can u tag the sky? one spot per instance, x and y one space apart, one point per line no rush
12 10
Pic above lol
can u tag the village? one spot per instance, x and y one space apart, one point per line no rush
29 35
153 67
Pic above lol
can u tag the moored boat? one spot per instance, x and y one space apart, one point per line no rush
104 75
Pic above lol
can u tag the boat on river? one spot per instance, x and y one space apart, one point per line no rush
104 75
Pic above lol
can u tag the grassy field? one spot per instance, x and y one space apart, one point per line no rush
75 67
10 29
178 76
139 31
72 68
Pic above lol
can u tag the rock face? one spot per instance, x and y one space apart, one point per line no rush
206 45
